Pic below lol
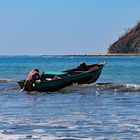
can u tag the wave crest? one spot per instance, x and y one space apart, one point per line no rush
2 80
114 87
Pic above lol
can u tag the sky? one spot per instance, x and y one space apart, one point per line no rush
63 27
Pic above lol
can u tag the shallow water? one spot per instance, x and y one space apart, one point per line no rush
108 109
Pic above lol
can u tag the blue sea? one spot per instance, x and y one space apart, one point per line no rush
106 110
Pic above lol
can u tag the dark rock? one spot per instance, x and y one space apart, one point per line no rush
129 43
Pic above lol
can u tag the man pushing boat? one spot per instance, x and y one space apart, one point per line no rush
30 81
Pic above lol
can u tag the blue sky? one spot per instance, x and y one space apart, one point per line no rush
47 27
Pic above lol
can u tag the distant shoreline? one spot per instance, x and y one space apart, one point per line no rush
96 55
75 55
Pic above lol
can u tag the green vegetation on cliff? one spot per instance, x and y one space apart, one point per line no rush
129 43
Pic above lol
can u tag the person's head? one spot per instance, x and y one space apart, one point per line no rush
37 70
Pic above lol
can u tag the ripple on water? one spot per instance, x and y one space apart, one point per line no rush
99 111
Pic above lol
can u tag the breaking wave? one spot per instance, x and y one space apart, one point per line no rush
114 87
2 80
118 87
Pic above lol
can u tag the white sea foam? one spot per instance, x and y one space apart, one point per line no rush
40 137
72 127
38 130
132 86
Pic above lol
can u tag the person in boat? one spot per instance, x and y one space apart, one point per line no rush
43 77
31 79
83 67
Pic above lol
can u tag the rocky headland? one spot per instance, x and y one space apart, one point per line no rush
128 43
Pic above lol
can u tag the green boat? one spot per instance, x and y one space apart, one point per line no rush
83 74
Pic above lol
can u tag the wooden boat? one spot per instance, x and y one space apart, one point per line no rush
83 74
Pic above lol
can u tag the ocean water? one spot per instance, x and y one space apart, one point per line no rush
107 109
